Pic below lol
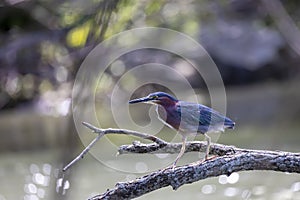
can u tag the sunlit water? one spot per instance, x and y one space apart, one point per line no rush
35 175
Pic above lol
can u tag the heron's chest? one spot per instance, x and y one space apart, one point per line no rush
169 116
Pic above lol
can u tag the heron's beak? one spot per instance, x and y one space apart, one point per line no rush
143 99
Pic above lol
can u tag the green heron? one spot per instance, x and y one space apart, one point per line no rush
187 118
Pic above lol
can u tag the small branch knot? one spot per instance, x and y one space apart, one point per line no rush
136 143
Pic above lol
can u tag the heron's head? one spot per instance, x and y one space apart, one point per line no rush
160 98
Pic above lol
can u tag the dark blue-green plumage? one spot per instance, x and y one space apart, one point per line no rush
187 118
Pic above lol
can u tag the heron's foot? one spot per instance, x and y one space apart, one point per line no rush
170 167
206 159
173 166
211 157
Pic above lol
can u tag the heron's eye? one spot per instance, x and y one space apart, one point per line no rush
155 97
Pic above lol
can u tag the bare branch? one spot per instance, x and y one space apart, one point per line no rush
196 146
82 154
126 132
244 161
161 143
231 159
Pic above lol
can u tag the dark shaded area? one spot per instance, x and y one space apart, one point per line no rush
241 38
35 48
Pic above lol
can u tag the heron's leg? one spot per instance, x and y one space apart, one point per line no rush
182 150
208 146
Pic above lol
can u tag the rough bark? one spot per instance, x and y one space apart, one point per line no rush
229 159
241 160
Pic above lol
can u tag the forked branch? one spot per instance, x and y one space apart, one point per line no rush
230 159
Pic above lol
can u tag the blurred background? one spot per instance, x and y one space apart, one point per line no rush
255 45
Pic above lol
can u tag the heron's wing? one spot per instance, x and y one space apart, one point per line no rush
202 119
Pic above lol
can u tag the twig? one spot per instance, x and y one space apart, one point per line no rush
126 132
161 143
82 154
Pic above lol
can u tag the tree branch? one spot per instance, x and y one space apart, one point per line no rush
126 132
196 146
161 143
230 159
253 160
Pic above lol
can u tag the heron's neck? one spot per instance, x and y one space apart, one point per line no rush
167 104
168 115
